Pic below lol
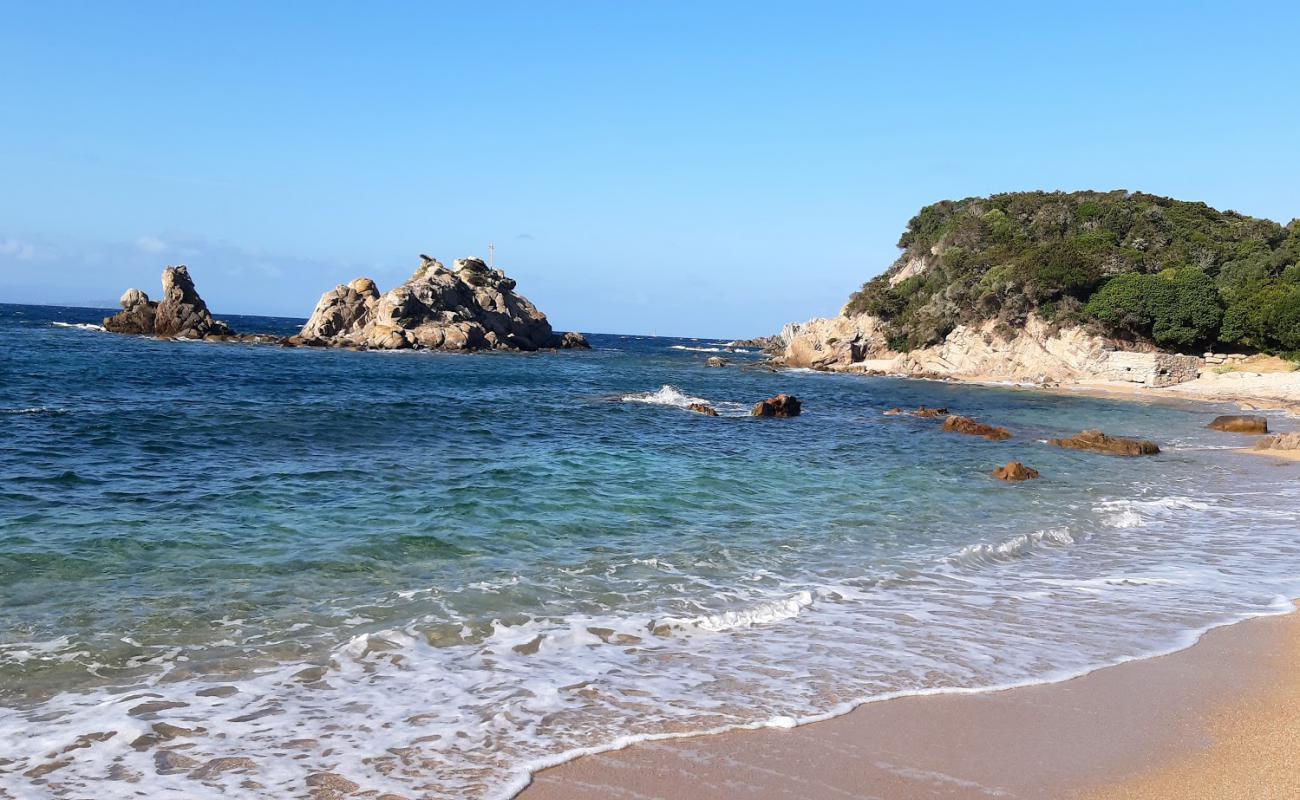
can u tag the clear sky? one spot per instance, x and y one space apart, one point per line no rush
707 169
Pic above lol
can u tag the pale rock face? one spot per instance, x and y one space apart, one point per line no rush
469 307
1036 353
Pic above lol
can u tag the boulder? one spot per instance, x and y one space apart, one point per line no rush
572 340
1098 442
181 313
715 361
468 307
1015 471
702 408
1280 441
136 316
1240 423
970 427
783 405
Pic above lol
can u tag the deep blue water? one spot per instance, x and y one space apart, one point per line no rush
430 572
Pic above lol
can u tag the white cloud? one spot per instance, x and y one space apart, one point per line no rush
150 244
22 251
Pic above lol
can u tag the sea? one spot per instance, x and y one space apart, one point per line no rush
233 571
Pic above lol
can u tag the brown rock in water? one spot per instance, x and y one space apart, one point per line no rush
1280 441
1240 423
783 405
1098 442
181 313
1015 471
920 413
467 307
715 361
702 408
970 427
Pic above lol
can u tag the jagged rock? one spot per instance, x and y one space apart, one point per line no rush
1240 423
1098 442
921 413
715 361
136 316
1015 471
783 405
572 340
702 408
181 313
970 427
467 307
1280 441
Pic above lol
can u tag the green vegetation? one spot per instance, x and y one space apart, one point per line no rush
1136 266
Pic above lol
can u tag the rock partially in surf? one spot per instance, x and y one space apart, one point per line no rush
783 405
1240 423
1015 471
970 427
136 316
1280 441
181 313
1098 442
467 307
702 408
715 361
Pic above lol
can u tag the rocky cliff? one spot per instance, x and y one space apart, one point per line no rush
467 307
180 314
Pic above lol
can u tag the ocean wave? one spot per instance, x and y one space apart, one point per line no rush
1015 547
32 410
664 396
81 326
758 614
708 349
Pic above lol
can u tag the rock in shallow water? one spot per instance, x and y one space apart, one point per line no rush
181 313
1098 442
1240 423
970 427
702 408
1015 471
783 405
1280 441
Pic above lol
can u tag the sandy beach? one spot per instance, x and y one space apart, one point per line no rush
1220 719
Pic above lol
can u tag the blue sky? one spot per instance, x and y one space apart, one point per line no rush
708 169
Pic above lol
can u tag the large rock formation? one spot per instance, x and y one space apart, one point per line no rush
181 313
467 307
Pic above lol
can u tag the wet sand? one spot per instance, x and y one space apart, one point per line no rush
1218 720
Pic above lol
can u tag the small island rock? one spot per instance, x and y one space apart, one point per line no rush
181 313
702 408
715 361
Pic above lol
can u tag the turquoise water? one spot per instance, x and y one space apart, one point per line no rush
431 573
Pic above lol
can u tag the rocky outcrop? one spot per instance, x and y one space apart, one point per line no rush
1098 442
467 307
180 314
783 405
715 361
1240 423
970 427
1037 352
1015 471
1280 441
702 408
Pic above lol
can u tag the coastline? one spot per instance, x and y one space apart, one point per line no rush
1159 726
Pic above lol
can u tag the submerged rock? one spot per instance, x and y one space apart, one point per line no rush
180 314
467 307
1240 423
1015 471
921 412
783 405
1098 442
970 427
702 408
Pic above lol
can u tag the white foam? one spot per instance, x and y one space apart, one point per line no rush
83 326
726 349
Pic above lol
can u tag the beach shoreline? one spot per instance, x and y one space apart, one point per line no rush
1159 726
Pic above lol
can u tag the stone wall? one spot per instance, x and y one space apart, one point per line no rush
1150 369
